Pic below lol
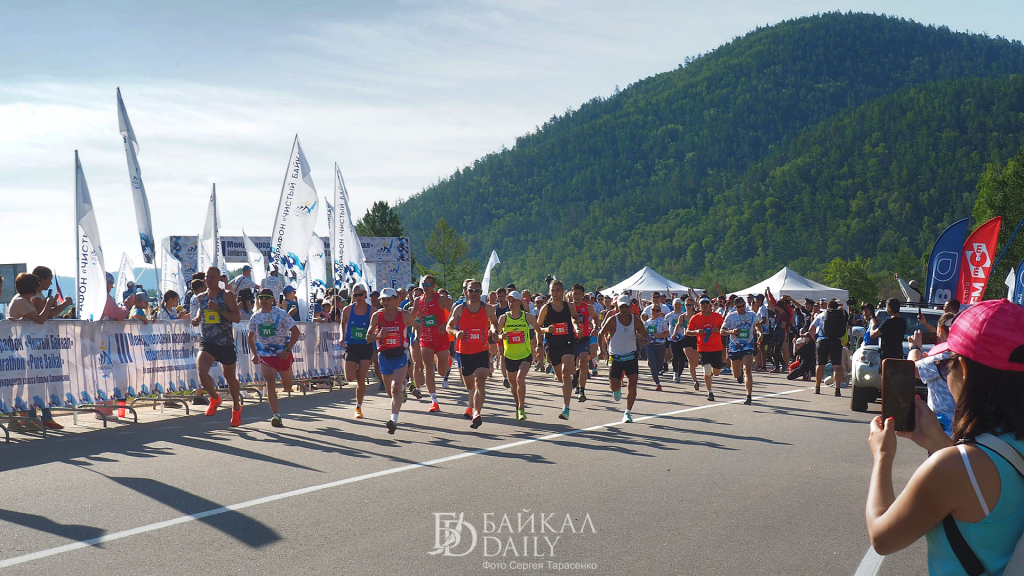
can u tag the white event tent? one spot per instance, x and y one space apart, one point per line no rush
786 281
647 281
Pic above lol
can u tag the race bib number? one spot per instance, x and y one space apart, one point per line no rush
430 321
267 330
651 329
560 329
211 317
475 335
358 332
517 337
744 334
392 340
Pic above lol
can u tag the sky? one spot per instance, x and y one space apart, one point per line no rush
399 93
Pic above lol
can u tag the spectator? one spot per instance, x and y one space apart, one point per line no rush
112 311
243 281
198 286
22 307
45 276
871 323
891 332
171 308
828 328
274 282
804 365
963 489
192 291
246 303
290 304
140 308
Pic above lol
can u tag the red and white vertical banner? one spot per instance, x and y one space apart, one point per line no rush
976 265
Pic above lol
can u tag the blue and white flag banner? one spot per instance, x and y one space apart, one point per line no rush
142 214
90 277
296 215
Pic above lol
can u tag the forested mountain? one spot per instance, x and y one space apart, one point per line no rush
833 135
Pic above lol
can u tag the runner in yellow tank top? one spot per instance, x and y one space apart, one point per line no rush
514 327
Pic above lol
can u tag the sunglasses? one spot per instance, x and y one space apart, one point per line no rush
359 295
426 284
265 297
474 290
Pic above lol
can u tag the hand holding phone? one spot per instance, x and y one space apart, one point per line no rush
898 392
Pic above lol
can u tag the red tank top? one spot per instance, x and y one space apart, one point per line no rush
582 310
390 334
476 326
433 318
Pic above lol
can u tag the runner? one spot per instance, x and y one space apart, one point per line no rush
387 328
556 320
272 335
501 308
418 376
743 326
471 323
215 310
431 310
657 331
675 339
374 306
355 322
706 327
618 337
587 322
515 327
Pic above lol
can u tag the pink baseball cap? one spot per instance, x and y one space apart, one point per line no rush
988 332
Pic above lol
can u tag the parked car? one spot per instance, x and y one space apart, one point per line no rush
866 379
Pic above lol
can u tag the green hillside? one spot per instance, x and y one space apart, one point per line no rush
833 135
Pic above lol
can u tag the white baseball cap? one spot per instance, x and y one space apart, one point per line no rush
622 299
388 293
515 295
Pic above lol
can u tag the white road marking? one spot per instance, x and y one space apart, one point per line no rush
299 492
869 564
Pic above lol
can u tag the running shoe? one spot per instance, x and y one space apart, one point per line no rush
434 407
593 372
676 379
583 396
276 421
565 414
696 385
522 413
740 377
468 414
416 392
658 388
359 412
380 386
391 426
444 383
726 371
747 401
506 383
617 395
214 403
550 370
476 422
838 394
236 417
627 418
711 397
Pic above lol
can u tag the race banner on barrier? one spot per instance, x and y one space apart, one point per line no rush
74 362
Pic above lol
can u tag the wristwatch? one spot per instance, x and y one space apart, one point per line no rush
915 347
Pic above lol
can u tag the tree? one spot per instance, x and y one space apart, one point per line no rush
448 249
852 275
380 220
1001 193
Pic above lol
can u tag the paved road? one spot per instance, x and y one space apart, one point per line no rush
706 488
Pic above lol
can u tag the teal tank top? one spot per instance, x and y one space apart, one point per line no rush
994 538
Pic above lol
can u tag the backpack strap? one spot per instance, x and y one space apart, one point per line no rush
963 551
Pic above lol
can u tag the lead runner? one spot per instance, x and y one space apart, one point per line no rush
215 310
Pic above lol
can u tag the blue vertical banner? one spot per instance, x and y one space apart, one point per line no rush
944 264
1018 293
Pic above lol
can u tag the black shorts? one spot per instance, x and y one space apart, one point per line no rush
690 342
555 353
512 366
473 362
358 352
621 368
830 350
223 353
714 359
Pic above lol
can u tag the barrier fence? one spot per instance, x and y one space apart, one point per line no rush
65 363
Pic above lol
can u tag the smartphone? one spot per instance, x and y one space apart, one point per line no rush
898 391
49 293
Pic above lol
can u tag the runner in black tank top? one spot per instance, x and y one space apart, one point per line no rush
556 320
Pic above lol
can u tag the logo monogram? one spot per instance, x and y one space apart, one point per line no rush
448 534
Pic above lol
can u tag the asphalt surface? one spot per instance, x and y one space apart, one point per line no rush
708 488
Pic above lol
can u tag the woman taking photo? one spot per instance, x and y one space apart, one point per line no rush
979 491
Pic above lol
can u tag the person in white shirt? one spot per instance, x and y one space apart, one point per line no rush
171 310
274 282
243 281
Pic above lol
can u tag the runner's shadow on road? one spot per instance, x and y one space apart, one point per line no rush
44 524
806 413
242 528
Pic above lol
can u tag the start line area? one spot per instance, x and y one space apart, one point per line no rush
690 487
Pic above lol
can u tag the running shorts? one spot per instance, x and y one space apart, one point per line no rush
830 350
582 346
593 340
388 366
473 362
555 353
624 367
512 366
278 363
358 352
738 355
689 342
223 353
713 359
436 344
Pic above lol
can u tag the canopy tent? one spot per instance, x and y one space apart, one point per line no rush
647 281
786 281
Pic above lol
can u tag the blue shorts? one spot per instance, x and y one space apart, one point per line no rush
582 347
593 340
739 354
388 366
